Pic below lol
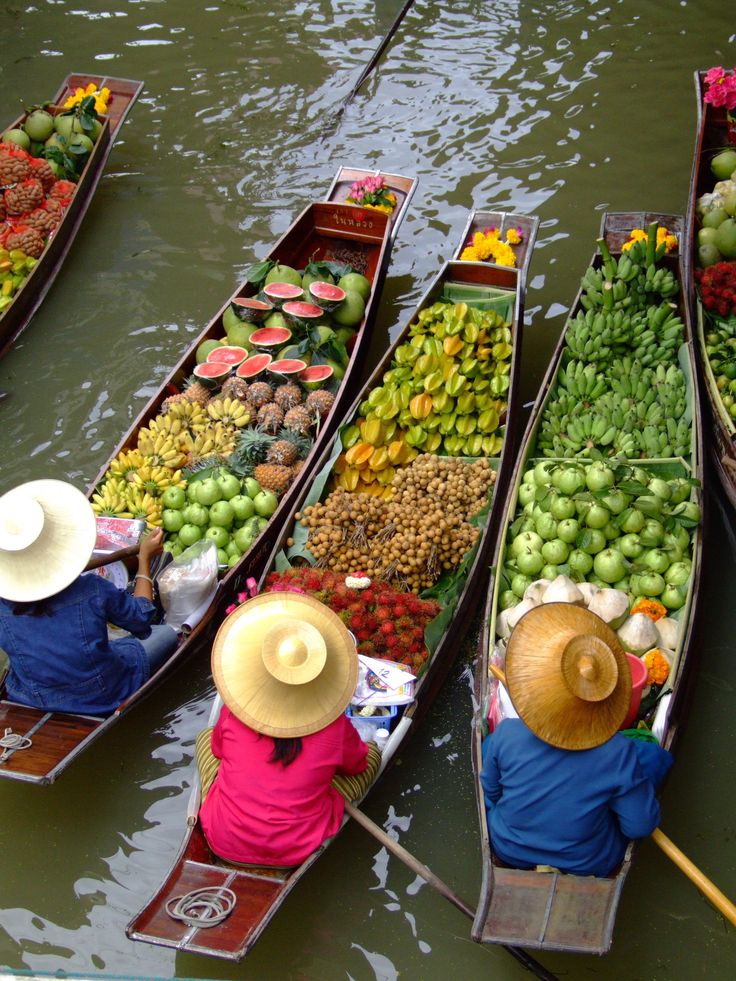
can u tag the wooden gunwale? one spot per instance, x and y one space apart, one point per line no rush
710 137
151 924
124 93
319 225
588 905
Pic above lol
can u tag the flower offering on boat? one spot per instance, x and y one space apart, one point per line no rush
488 246
372 192
101 98
640 235
720 87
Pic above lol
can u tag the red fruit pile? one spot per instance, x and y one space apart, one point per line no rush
387 623
32 200
717 286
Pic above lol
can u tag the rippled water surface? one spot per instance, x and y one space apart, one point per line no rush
562 109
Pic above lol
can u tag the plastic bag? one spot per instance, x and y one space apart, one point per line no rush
187 585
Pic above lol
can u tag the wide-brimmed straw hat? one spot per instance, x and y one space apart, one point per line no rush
285 664
47 533
568 676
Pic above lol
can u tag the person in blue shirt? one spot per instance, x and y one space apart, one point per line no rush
54 620
562 787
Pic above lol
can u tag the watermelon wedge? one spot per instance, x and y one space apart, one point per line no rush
270 337
303 313
326 295
211 373
227 354
287 366
279 293
316 375
253 365
251 310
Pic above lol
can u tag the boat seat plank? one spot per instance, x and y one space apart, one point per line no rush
54 736
255 894
551 910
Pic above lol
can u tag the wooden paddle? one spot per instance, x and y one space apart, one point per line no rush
123 553
709 889
442 888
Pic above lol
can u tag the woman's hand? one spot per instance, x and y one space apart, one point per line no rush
151 545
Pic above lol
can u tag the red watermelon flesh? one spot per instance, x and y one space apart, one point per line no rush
251 303
316 373
254 365
270 336
283 291
231 355
326 294
287 366
300 310
211 369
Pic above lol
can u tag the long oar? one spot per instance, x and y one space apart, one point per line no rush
442 888
123 553
709 889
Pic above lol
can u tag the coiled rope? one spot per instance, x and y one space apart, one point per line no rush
202 907
11 741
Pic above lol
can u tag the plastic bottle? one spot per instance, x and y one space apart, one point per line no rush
380 738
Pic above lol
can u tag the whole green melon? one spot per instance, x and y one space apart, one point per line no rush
351 311
19 137
357 283
284 274
723 164
725 240
204 349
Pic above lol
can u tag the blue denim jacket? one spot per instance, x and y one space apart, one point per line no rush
61 659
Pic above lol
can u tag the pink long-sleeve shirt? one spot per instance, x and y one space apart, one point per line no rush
268 814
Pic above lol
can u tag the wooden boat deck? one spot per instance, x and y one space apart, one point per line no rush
261 899
27 300
554 911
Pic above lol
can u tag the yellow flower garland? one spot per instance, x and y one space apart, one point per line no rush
102 97
639 235
487 245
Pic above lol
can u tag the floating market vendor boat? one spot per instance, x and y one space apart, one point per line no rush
603 509
42 217
712 276
407 595
202 425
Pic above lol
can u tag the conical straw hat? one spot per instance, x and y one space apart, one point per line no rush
568 676
285 664
47 533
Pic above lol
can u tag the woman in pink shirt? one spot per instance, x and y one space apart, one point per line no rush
286 668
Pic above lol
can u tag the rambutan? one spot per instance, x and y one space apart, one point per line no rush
417 633
400 611
416 647
362 635
387 628
357 621
385 597
382 613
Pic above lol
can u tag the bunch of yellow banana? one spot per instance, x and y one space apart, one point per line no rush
163 449
217 439
141 504
181 417
110 498
155 480
125 463
230 411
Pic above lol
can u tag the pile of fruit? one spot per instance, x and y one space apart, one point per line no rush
716 212
620 390
610 525
444 393
386 623
40 162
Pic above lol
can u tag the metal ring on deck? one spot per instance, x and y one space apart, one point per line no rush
206 907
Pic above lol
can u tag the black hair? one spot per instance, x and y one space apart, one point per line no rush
285 751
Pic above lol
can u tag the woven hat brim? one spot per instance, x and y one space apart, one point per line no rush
538 690
62 550
253 695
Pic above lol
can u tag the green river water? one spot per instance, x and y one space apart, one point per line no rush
561 109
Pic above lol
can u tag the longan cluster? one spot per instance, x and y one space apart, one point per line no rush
413 538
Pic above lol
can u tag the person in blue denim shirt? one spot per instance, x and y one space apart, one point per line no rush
54 620
562 787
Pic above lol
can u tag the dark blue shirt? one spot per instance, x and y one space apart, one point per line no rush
61 659
574 810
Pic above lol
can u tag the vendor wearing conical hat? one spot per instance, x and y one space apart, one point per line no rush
286 668
562 786
54 620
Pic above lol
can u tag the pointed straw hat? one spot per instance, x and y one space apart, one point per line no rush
285 664
47 533
568 676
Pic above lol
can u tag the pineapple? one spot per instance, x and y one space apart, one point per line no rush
251 448
196 392
270 417
288 395
273 477
236 388
282 452
320 402
260 393
299 419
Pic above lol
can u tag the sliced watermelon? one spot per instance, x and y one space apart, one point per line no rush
326 295
303 313
211 373
287 366
254 365
316 375
270 336
251 310
279 293
228 354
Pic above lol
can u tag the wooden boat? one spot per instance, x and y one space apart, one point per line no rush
555 911
402 187
260 893
323 229
711 136
123 94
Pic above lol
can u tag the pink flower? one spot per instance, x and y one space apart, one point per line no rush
721 88
230 609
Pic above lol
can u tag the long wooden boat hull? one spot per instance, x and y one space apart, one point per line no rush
260 896
124 93
321 228
711 136
554 911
